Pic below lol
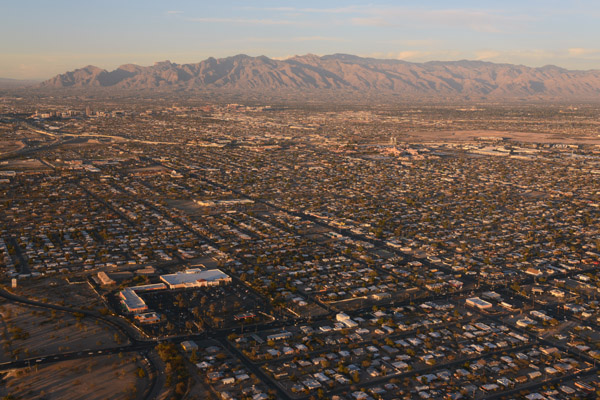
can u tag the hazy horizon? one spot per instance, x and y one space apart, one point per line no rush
51 38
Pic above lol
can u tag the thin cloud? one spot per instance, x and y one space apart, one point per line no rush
297 39
416 55
411 54
338 10
487 55
487 21
174 12
578 52
371 21
245 21
478 20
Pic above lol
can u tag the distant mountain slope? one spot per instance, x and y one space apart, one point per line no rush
463 79
15 83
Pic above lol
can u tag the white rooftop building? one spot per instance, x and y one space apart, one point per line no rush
195 278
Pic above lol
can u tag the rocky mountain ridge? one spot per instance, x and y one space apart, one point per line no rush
437 79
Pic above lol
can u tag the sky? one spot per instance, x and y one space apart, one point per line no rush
42 38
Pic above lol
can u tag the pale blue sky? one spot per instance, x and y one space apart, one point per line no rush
44 38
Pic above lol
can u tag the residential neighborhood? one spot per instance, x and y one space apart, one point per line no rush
264 251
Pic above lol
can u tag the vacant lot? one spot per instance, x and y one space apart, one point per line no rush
98 378
31 332
59 291
469 136
10 145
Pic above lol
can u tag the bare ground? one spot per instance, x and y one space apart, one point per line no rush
467 136
31 332
59 291
99 378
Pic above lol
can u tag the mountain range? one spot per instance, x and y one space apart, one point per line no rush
346 73
7 83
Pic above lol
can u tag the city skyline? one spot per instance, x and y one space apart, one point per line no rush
48 39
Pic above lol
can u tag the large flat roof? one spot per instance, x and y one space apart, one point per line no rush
479 302
131 299
153 286
193 277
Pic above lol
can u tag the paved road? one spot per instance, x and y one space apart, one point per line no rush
255 369
73 355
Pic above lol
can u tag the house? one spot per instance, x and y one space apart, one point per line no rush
534 374
311 384
490 387
189 346
504 382
228 381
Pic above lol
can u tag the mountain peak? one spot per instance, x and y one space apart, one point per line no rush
165 63
308 56
130 67
90 68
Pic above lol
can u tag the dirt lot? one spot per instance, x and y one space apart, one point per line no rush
31 332
464 136
187 206
59 291
9 146
156 170
98 378
25 165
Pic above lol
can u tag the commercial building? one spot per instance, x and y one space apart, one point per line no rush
195 278
478 303
493 296
148 318
345 319
191 278
232 202
105 279
280 336
132 302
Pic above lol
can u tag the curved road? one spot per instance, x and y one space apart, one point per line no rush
156 384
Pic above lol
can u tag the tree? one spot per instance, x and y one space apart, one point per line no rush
180 388
196 312
194 357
